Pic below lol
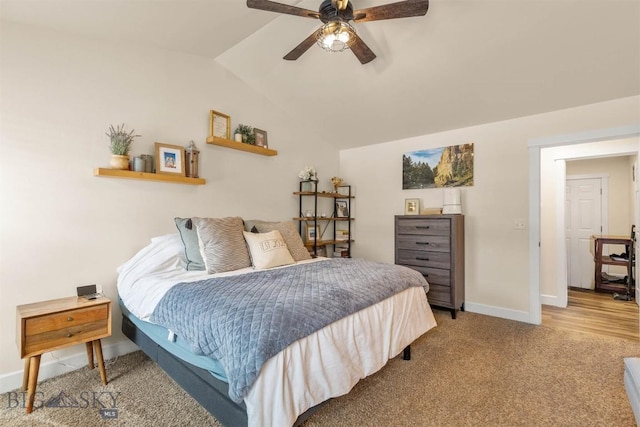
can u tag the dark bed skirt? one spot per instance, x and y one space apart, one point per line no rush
206 389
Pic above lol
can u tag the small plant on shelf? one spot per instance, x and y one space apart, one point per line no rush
248 137
308 174
120 140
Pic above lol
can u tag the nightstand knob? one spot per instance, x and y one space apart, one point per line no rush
69 318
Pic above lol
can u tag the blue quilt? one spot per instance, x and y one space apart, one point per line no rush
244 320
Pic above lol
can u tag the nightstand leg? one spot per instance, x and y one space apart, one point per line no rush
98 349
25 375
34 367
90 354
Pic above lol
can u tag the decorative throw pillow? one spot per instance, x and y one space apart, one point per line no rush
268 249
189 237
290 235
222 246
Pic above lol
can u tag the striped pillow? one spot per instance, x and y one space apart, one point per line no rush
222 244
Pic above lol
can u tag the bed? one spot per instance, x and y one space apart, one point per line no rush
173 313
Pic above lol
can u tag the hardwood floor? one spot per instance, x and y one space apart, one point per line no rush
595 313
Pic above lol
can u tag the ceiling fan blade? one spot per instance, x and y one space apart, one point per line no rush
272 6
301 48
401 9
362 51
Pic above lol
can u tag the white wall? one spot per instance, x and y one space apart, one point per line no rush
497 255
61 226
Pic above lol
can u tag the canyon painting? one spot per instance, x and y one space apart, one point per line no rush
438 167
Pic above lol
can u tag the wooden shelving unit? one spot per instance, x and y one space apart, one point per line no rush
116 173
222 142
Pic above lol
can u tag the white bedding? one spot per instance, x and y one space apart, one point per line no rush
312 369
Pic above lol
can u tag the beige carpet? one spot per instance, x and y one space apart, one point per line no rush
473 371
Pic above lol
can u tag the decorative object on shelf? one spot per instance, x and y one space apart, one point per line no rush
312 233
138 164
342 209
191 161
148 163
336 182
219 125
169 159
412 206
260 137
309 176
430 211
246 132
120 145
452 204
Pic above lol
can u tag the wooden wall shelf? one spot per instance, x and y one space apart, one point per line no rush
222 142
116 173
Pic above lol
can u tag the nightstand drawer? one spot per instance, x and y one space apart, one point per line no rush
65 319
52 339
433 227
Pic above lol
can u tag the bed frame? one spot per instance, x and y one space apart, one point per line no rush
208 391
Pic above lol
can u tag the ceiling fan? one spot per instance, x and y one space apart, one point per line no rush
337 34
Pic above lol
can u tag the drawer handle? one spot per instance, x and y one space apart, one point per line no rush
422 243
69 319
422 259
424 227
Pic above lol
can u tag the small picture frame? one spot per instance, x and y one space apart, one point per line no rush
312 233
342 209
219 125
169 159
412 206
261 137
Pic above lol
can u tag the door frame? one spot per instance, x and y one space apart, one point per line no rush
563 274
534 146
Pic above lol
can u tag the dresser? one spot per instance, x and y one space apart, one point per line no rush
54 324
434 245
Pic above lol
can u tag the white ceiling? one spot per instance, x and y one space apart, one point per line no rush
466 62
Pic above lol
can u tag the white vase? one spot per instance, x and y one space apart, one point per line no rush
119 162
238 137
306 186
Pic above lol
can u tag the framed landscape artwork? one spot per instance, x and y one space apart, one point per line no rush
438 167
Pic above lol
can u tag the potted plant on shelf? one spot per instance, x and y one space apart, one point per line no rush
120 145
246 134
307 175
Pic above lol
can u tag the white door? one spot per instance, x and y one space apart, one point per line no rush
583 219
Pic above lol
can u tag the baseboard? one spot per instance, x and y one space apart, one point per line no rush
505 313
53 368
549 300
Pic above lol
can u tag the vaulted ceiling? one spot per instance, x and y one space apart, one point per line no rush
466 62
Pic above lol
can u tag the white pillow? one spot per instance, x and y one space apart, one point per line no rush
268 249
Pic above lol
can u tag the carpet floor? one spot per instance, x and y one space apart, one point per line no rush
473 371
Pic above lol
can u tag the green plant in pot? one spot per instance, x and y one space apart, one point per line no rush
120 144
248 137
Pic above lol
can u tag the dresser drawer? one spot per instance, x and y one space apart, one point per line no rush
440 295
431 227
424 258
424 243
435 276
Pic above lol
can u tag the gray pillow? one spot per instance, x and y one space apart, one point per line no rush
222 244
189 237
291 237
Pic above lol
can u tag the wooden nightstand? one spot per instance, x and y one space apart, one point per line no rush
51 325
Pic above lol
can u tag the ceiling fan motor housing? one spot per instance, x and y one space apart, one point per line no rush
328 12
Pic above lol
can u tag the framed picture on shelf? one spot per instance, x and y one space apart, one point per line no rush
412 206
219 125
342 209
312 233
261 137
169 159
